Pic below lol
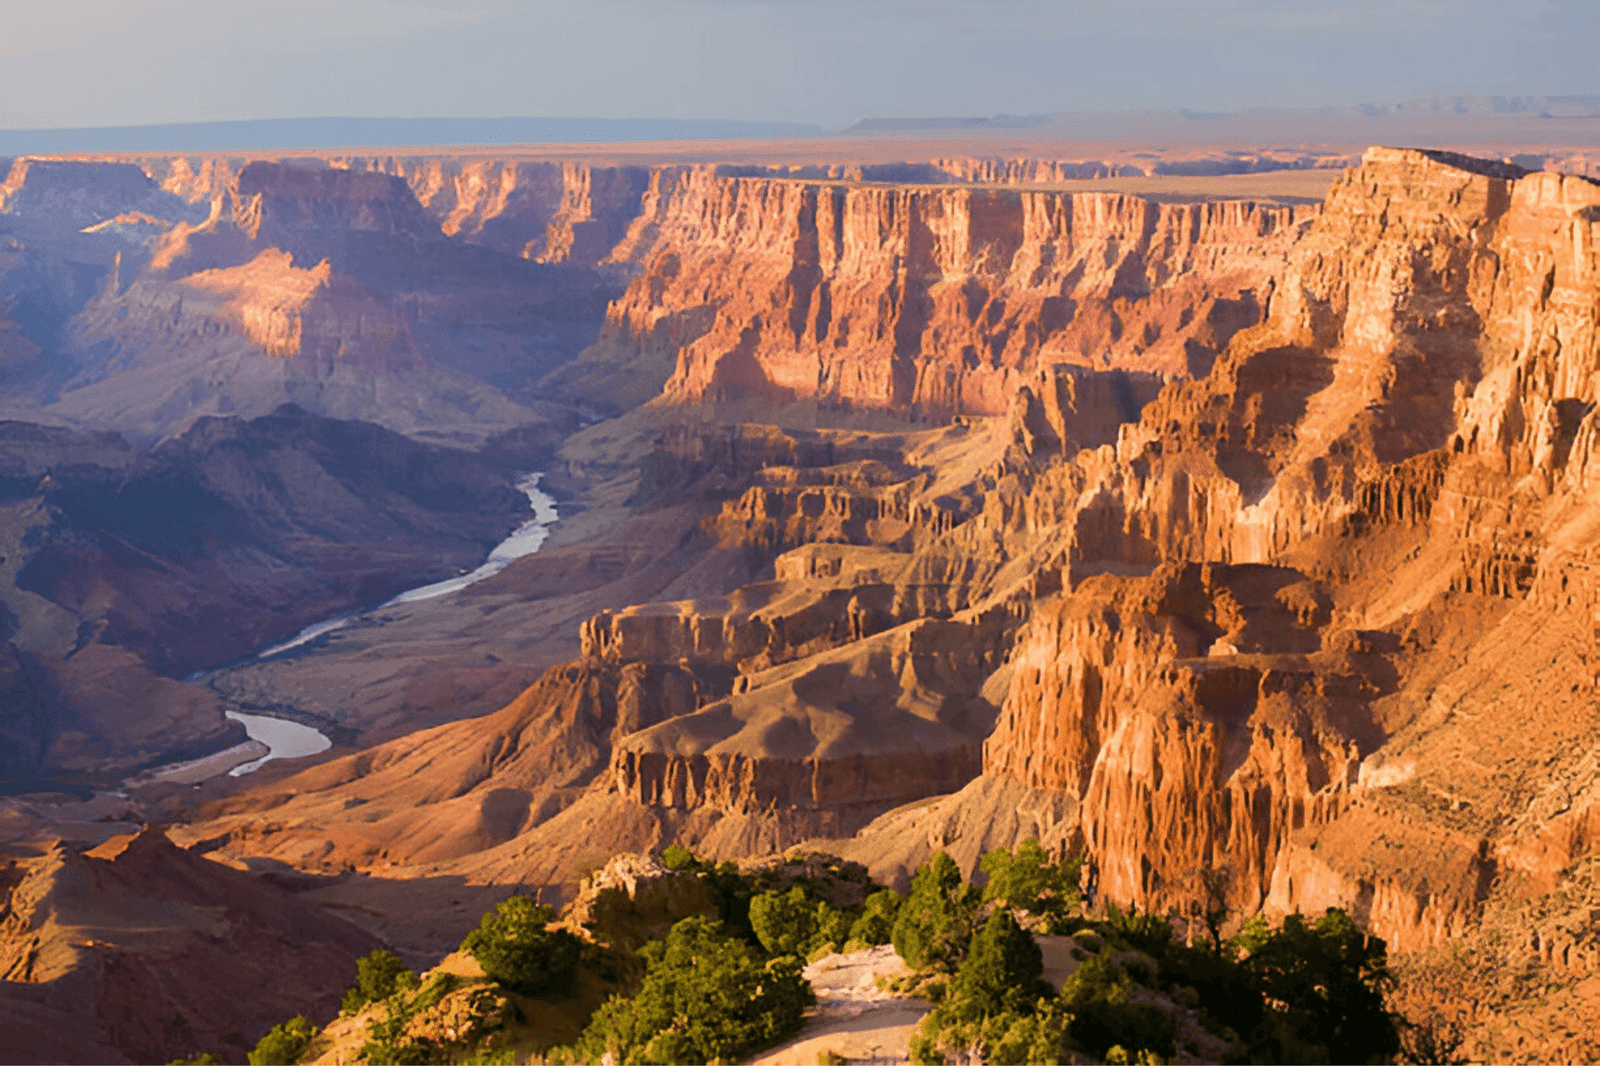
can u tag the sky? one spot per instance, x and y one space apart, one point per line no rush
74 63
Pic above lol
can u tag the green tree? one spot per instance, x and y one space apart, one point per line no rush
284 1043
378 976
706 997
936 921
876 924
784 922
833 928
1323 985
514 946
990 1005
1100 999
678 857
1029 881
1003 970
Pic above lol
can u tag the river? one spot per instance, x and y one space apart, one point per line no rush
289 740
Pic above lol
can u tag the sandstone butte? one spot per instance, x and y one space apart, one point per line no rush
1233 538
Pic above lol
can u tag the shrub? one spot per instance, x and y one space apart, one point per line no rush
1003 970
1149 933
833 929
990 1007
706 997
390 1039
1099 997
678 857
876 924
784 922
378 976
794 923
515 948
284 1043
1029 881
933 926
1324 984
1010 1038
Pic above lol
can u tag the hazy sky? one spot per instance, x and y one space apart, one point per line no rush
118 62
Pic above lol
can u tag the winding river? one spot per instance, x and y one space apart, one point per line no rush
289 740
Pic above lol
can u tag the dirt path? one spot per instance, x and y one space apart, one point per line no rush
854 1018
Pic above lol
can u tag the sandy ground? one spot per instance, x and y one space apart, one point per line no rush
854 1018
859 1022
1061 957
197 770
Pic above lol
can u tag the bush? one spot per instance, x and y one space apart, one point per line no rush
284 1043
784 922
1148 933
876 924
1029 881
515 948
378 976
933 926
795 923
990 1007
678 857
706 997
389 1039
1009 1038
1099 997
1003 970
1325 984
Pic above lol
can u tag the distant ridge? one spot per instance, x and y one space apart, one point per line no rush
323 133
1530 108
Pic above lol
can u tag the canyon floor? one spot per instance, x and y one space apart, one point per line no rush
1222 511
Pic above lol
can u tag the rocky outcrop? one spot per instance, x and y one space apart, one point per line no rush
633 898
130 947
1195 717
906 724
63 193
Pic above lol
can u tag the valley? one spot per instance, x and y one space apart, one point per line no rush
1223 516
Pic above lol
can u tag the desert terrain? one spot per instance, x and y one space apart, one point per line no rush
1215 504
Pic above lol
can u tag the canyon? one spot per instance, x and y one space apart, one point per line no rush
1243 544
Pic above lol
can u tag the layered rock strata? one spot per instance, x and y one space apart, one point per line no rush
934 301
1397 441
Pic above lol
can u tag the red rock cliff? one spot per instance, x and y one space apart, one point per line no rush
1404 443
936 300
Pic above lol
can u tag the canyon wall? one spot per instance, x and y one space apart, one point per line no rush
847 285
1398 451
936 301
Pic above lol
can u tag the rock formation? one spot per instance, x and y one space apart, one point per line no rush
141 951
933 301
1394 444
